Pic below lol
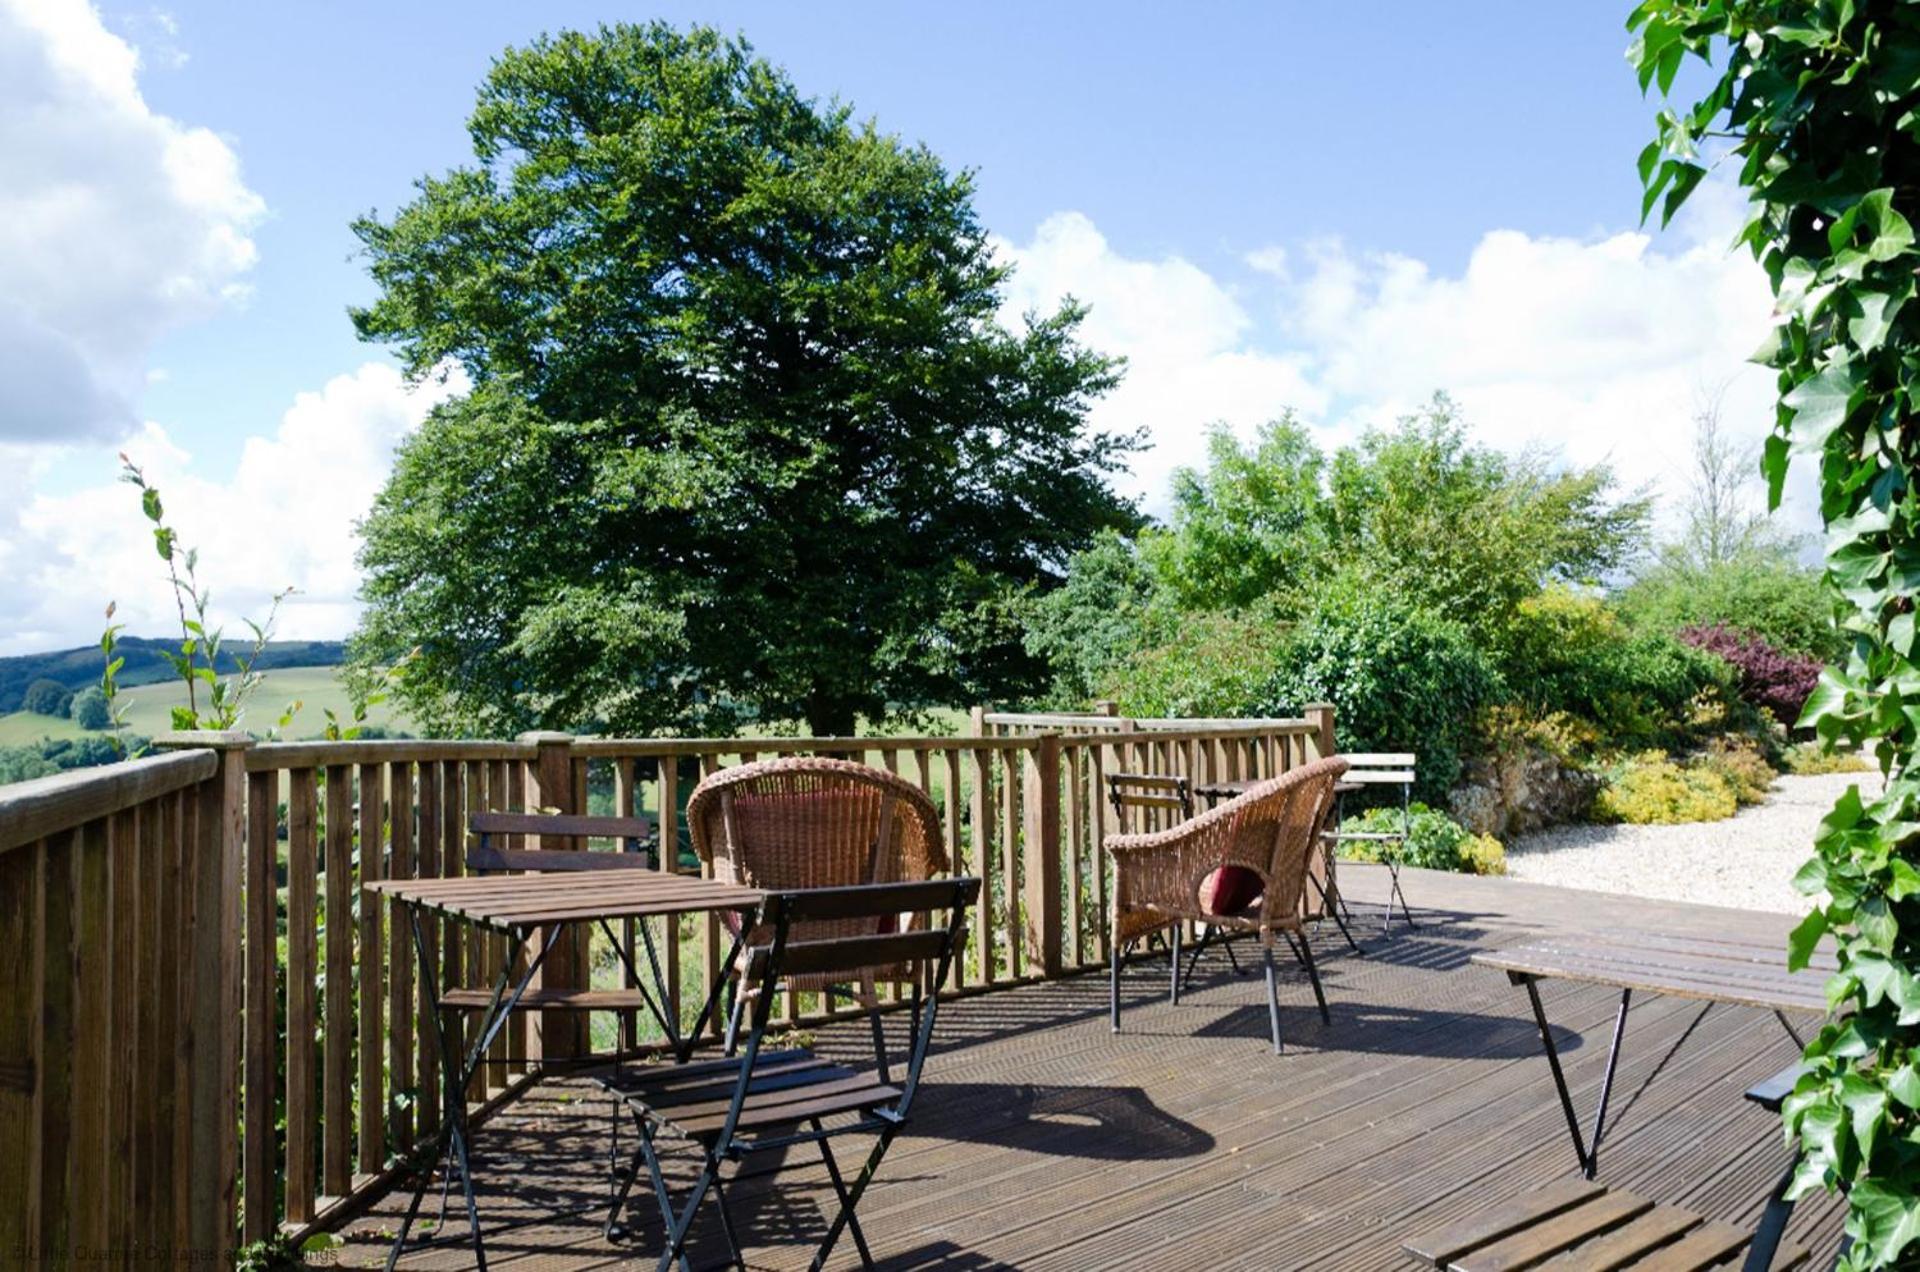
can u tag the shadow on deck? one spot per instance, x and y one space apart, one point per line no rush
1041 1140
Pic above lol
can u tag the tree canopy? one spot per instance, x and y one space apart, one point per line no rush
748 436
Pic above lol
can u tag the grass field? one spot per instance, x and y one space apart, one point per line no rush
317 688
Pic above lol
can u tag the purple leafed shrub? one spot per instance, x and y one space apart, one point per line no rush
1770 678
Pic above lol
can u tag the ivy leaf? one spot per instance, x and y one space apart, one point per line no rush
1903 1084
1828 695
1820 405
1804 937
1889 1213
1811 878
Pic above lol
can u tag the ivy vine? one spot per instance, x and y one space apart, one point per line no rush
1818 103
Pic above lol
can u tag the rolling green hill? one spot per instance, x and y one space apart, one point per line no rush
318 688
146 664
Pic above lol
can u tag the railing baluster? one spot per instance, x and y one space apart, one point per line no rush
302 878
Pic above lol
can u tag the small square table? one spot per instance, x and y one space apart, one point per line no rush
519 905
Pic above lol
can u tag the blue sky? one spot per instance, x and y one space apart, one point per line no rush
1338 208
1202 135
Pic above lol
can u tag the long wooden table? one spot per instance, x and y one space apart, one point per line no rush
1742 973
521 906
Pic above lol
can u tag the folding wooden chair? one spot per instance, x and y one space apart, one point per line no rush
1159 792
1386 768
767 1101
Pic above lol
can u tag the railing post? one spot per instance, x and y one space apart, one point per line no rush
212 933
1042 854
977 722
1106 707
566 967
1320 714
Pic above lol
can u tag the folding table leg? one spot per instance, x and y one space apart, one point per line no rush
1588 1159
658 1010
1333 906
747 919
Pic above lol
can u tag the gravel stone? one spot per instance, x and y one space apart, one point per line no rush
1747 861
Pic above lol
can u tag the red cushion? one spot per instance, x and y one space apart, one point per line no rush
1229 890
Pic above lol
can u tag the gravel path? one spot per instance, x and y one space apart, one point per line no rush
1747 861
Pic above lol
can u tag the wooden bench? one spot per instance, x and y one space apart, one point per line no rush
1574 1225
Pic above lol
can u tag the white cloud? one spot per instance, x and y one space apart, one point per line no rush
117 224
284 519
1191 359
1599 348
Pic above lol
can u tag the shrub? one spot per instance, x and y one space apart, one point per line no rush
1767 678
1400 679
1738 761
1651 789
47 698
1811 759
1562 652
1212 665
1434 841
1777 599
89 709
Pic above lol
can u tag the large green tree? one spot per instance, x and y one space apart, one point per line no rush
748 437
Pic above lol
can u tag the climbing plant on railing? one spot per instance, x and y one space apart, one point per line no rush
1817 102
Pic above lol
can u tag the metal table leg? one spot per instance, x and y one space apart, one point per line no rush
455 1131
1588 1156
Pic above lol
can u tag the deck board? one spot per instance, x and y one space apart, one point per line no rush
1043 1141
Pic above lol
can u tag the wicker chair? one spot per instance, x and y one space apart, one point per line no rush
783 825
1167 879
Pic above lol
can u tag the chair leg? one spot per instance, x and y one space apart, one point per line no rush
1313 975
1113 985
1174 978
726 1225
840 1189
851 1200
1273 996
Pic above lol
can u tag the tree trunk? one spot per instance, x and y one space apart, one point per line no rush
830 717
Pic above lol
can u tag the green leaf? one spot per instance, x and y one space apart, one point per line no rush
1891 1215
1903 1084
1820 405
1804 937
1811 878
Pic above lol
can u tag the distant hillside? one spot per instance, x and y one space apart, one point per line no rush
146 664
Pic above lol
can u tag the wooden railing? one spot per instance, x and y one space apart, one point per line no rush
120 1013
305 1027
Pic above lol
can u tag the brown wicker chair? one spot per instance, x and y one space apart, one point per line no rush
790 824
1163 880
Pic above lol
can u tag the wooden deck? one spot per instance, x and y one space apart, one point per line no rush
1041 1140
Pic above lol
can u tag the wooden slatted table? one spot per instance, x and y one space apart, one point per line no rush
1742 973
522 906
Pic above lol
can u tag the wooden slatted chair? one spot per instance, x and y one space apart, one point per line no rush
1582 1226
1147 792
765 1100
1370 769
781 825
633 834
1164 880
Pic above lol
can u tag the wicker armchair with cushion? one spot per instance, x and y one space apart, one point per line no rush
1168 879
783 825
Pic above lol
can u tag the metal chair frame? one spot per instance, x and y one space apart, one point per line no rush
765 967
1379 768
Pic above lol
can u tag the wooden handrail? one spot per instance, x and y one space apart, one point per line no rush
32 810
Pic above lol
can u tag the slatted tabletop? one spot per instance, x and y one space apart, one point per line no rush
1748 973
512 902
